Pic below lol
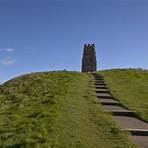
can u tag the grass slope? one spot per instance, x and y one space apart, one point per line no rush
58 110
130 87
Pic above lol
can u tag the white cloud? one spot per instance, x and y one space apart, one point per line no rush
8 50
8 61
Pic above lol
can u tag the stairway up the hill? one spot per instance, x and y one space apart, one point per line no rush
126 119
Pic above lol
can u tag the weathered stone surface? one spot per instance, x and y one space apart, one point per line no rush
89 62
114 107
142 141
127 122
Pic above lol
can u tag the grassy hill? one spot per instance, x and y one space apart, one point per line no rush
130 86
58 110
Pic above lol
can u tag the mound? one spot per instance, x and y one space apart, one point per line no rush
55 109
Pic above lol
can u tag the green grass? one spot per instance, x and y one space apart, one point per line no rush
57 110
130 86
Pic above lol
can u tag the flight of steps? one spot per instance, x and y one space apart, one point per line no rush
126 119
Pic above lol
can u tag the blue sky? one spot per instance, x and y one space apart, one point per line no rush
41 35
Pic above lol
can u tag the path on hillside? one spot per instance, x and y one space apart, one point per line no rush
126 119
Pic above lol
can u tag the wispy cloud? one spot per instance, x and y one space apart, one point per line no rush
8 50
8 61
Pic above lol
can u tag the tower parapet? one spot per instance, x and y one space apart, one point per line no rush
89 62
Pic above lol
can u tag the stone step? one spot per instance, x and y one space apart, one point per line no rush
97 76
101 87
100 79
108 100
99 83
123 113
114 108
130 122
102 91
104 95
104 102
142 141
138 132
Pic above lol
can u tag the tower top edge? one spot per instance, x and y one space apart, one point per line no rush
89 45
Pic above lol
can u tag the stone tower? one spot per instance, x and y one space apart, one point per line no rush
89 62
